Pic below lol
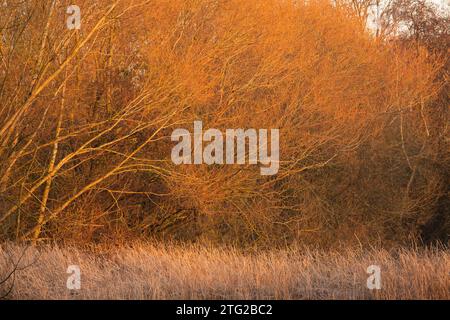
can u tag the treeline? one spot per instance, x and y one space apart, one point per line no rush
86 117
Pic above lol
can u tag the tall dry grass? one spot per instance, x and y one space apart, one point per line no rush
148 271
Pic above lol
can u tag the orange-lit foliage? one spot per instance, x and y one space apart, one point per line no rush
346 105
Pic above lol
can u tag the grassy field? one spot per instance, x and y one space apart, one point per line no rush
173 272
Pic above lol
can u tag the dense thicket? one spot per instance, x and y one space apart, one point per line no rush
86 117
